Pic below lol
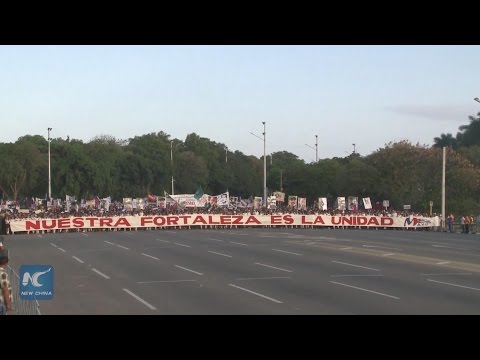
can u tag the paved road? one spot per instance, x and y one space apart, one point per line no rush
257 271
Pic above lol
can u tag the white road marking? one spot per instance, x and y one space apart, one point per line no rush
123 247
76 258
266 278
84 234
233 242
255 293
150 256
101 274
163 281
389 254
213 252
288 252
165 241
374 292
443 263
449 247
108 242
364 267
382 247
184 268
214 239
151 307
59 248
54 245
171 232
345 248
182 245
441 282
273 267
354 275
443 274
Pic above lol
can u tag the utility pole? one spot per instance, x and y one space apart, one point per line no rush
171 159
281 180
264 165
49 167
443 189
316 148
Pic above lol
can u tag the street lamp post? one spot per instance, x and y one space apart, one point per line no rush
49 167
264 166
354 148
171 159
264 162
315 148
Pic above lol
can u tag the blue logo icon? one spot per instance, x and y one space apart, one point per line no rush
36 282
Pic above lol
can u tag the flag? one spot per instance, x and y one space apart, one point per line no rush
199 193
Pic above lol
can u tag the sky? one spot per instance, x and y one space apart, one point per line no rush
363 95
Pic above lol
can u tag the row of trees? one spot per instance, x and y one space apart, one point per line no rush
401 172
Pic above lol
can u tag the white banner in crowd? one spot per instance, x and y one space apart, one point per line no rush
257 202
341 203
322 203
352 203
223 199
367 203
292 201
302 203
386 203
272 202
280 196
121 222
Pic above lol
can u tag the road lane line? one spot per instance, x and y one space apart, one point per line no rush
150 306
213 252
265 278
374 292
101 274
84 234
354 275
182 245
363 267
382 247
108 242
345 248
123 247
76 258
184 268
163 281
171 232
233 242
273 267
449 247
59 248
255 293
54 245
441 282
443 274
165 241
443 263
389 254
288 252
214 239
150 256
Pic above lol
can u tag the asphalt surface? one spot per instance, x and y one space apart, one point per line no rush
257 271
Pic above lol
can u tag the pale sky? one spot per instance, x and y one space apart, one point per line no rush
367 95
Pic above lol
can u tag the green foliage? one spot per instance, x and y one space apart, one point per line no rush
400 172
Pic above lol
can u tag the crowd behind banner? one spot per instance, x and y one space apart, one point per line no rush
223 204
